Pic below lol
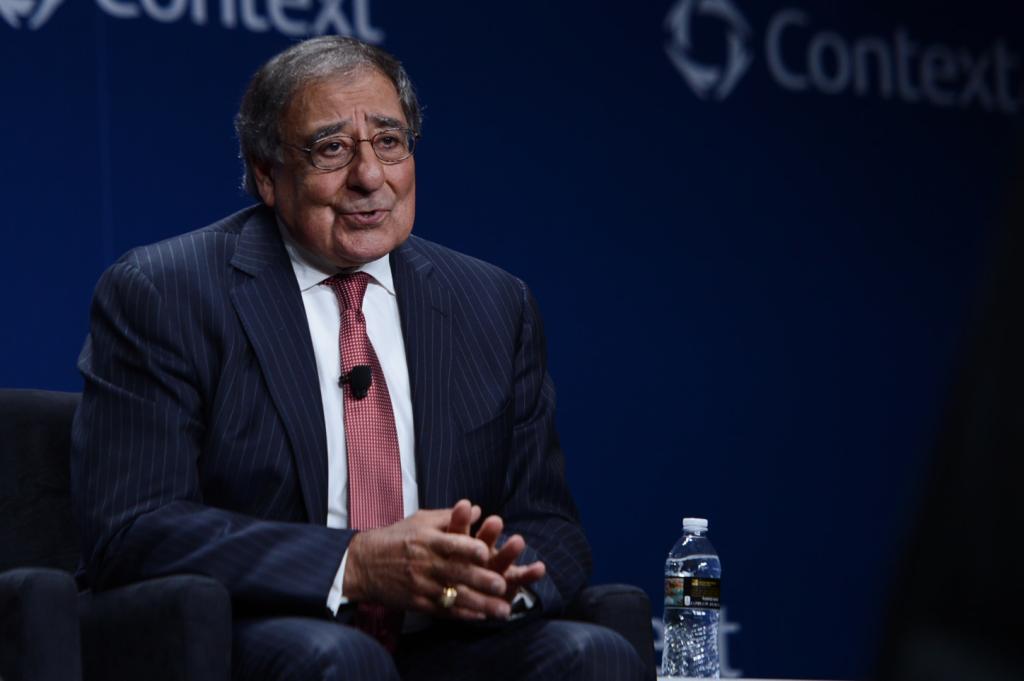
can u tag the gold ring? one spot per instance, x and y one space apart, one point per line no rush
448 596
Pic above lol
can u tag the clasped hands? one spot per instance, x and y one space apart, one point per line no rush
408 564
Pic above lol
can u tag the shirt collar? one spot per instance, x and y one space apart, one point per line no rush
311 269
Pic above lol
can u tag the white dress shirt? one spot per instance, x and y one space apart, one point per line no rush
383 326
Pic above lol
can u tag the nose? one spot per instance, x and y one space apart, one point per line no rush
365 172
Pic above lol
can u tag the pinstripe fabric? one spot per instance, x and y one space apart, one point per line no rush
199 444
484 406
540 650
303 649
306 649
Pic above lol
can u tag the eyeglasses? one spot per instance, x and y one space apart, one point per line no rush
393 145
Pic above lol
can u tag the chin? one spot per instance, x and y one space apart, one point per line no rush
353 257
368 246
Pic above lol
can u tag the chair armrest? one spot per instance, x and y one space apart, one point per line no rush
172 628
622 608
39 625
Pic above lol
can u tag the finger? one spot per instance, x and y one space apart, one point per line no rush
490 530
472 601
477 512
522 575
469 604
390 564
462 517
460 547
439 518
465 614
458 612
427 598
471 615
475 577
508 554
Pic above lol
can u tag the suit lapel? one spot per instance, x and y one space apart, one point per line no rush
270 307
424 307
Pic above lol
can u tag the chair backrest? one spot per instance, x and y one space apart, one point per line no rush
36 525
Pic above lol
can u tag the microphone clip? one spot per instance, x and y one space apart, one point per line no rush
359 380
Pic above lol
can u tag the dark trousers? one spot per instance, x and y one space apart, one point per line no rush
306 649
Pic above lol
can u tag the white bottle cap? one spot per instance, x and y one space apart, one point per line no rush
695 524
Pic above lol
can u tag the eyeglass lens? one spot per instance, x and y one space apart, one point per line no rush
390 146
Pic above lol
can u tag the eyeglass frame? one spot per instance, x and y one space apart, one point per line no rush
409 132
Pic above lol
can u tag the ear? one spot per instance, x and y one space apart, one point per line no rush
263 175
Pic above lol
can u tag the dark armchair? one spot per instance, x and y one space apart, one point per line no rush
171 628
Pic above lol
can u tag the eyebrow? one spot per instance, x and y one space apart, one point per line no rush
386 121
378 120
327 131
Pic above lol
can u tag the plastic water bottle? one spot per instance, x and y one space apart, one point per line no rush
693 577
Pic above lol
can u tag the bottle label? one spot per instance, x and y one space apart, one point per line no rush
693 592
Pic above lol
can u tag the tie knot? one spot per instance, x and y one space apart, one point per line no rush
349 288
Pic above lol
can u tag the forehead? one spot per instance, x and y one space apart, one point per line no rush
363 99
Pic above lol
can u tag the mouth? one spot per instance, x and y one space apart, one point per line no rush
366 218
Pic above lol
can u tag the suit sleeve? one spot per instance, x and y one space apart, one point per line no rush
538 503
137 444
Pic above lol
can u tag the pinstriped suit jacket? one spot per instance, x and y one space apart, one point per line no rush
199 446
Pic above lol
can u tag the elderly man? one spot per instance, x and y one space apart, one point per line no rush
302 399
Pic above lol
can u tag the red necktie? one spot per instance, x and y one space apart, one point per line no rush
371 443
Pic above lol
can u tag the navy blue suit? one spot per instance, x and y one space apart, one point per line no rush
199 446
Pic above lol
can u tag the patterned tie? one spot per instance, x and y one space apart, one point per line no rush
371 443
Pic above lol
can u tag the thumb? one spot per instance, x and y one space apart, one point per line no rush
438 518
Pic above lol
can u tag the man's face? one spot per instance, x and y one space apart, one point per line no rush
355 214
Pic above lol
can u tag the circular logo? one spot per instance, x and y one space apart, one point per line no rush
34 13
708 80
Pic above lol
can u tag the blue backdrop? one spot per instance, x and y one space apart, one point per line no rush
756 230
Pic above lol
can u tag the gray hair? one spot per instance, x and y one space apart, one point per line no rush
273 86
